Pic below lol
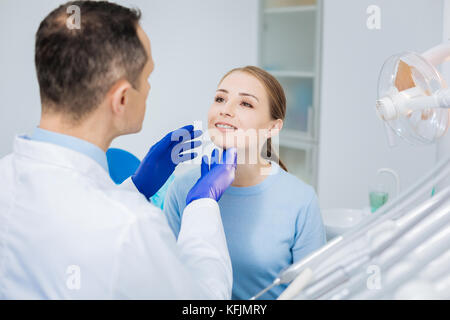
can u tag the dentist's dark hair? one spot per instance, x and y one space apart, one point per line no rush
76 67
277 104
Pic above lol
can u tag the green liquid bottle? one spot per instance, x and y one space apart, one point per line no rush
377 199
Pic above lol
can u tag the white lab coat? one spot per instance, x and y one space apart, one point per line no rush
68 232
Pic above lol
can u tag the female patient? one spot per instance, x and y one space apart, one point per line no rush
271 218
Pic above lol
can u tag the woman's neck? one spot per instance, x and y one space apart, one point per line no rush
251 174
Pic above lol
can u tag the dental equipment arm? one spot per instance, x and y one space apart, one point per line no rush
438 54
410 100
351 266
430 250
411 232
320 259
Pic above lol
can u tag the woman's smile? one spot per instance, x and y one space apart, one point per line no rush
225 127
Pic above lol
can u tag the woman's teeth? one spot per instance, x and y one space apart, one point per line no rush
225 126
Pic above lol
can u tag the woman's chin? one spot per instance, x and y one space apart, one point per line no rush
227 140
221 143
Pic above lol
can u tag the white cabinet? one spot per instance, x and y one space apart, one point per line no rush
289 40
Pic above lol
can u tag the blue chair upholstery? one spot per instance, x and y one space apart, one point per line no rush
122 164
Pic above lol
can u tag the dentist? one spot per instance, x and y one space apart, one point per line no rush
66 230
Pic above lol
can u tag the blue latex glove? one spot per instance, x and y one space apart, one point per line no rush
163 157
215 179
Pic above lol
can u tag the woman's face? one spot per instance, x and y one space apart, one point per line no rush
239 115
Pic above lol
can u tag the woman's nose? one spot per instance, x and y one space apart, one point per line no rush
228 109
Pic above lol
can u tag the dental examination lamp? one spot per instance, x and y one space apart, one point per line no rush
414 103
413 99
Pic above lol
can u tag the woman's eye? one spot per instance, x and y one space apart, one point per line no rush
246 104
218 99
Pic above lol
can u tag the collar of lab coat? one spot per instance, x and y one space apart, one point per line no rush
62 157
71 142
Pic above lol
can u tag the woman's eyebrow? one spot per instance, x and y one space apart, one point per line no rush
248 94
240 93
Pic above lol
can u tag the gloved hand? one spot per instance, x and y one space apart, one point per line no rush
163 157
216 179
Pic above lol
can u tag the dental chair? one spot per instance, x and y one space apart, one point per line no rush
122 164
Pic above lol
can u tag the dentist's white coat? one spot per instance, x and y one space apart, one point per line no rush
68 232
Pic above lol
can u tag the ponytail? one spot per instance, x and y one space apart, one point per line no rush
269 155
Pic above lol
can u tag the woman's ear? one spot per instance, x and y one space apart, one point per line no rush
119 95
275 128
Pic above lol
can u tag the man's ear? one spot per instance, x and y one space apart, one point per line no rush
275 128
119 95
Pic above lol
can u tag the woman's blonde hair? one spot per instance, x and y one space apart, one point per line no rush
277 102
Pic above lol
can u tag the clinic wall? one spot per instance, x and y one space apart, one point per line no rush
20 104
193 42
352 139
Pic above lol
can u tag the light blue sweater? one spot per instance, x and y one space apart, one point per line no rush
268 226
